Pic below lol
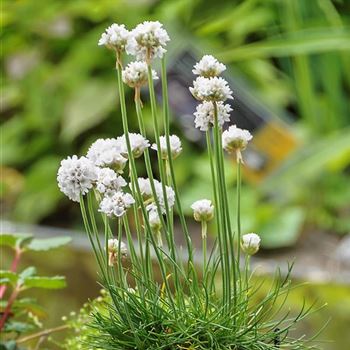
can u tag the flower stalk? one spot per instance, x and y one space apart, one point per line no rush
179 309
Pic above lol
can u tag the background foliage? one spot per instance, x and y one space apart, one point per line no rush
59 94
21 314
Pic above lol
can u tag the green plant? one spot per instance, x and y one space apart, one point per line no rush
180 309
21 315
79 324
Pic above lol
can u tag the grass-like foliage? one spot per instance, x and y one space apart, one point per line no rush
157 299
200 324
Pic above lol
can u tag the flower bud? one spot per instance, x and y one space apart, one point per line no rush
138 144
115 37
235 140
175 146
147 41
208 67
211 89
113 247
154 220
135 74
203 210
250 243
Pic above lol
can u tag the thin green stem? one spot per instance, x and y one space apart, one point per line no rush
204 241
94 225
138 227
223 210
139 196
246 275
167 229
136 265
238 213
231 247
191 270
149 171
91 239
164 177
108 235
218 211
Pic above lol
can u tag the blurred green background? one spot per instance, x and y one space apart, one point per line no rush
59 94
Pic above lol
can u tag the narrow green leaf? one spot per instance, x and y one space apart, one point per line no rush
302 42
48 243
55 282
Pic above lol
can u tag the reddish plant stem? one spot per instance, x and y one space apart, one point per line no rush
7 310
13 268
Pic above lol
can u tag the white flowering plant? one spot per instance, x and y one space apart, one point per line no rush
182 308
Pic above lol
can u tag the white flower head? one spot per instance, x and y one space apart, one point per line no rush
147 194
135 74
208 66
76 177
138 144
145 187
147 41
154 220
116 204
175 146
108 182
107 152
115 37
113 248
250 243
235 140
211 89
203 210
204 115
170 197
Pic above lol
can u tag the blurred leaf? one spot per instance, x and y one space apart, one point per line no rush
228 17
302 42
8 277
283 229
56 282
42 244
15 240
26 273
40 194
89 106
29 305
8 240
12 143
18 327
8 345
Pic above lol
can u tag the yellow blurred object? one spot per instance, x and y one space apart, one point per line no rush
271 145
